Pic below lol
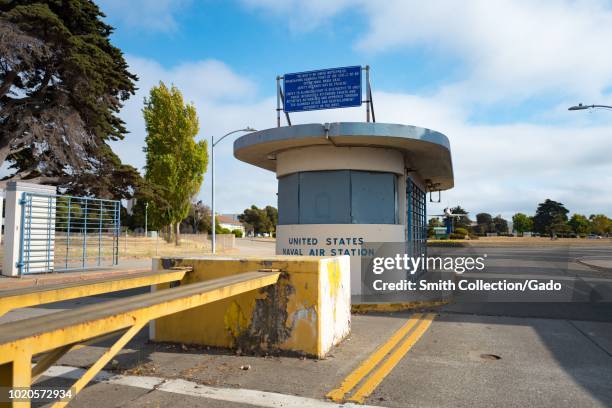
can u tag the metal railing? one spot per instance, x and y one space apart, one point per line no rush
61 233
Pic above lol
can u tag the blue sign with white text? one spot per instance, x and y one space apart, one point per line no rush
322 89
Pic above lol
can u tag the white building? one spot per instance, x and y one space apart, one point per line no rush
230 222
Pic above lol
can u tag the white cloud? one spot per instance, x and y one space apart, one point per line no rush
510 51
508 168
208 79
303 15
147 15
224 101
511 48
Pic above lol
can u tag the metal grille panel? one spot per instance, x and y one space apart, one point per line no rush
416 231
61 233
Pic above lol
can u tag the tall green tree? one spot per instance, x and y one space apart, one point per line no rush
262 220
501 225
484 218
550 216
484 223
463 221
62 84
198 220
600 224
272 214
579 224
522 223
176 163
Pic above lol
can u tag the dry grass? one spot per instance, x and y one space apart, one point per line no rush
525 241
190 244
143 248
129 248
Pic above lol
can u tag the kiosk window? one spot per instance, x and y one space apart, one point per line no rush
325 197
288 197
373 198
338 197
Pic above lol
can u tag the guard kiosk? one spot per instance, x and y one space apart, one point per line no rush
341 185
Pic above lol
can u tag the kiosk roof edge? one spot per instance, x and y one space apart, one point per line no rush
427 150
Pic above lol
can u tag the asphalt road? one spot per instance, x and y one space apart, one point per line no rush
255 246
558 263
480 354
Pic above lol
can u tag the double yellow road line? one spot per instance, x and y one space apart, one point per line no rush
422 323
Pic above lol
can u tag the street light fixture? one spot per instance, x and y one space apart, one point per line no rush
212 178
583 107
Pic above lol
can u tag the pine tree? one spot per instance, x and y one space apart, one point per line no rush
62 84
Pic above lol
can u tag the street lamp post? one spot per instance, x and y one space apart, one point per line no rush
583 107
212 181
146 220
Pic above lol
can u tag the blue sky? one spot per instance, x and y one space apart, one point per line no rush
495 76
256 44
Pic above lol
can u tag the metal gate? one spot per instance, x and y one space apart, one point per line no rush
416 217
62 233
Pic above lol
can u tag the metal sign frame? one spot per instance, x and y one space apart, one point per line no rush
280 99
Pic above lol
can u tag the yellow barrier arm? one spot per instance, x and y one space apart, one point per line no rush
26 297
58 332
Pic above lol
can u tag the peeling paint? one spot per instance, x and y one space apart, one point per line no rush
268 328
305 313
168 263
235 320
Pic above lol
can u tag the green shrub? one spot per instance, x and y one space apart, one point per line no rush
237 233
221 230
460 231
456 235
447 243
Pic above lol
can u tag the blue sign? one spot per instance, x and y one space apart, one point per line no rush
322 89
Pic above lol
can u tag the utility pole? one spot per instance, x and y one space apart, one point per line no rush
147 220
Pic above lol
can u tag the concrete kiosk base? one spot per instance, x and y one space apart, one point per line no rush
307 312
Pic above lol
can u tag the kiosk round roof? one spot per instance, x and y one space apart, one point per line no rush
426 151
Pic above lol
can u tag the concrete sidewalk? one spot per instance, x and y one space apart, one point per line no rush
600 263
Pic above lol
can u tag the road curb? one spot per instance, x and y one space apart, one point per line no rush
596 267
363 308
391 306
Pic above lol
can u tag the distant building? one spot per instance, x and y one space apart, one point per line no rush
233 217
229 222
